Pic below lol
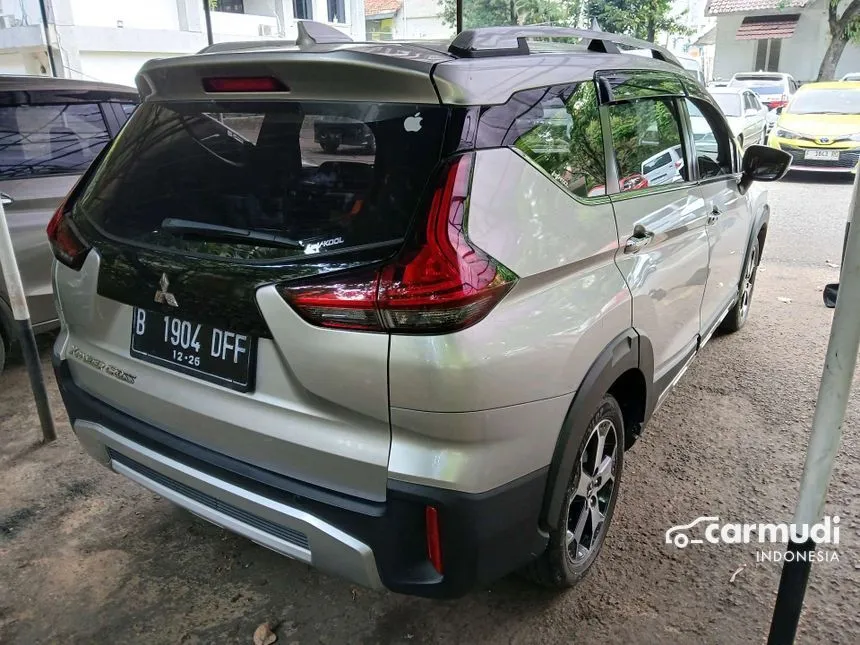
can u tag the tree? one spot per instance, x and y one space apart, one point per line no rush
843 29
493 13
640 18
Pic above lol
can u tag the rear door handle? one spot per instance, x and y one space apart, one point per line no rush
639 240
5 199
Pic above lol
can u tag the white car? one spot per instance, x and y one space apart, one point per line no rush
664 167
744 112
773 89
852 76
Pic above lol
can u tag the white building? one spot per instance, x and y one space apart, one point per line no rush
787 36
109 40
406 20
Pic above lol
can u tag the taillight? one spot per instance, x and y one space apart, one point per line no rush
441 284
67 244
244 84
434 539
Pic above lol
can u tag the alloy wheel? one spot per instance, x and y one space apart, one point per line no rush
586 514
748 282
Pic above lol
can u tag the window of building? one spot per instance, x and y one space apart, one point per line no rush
337 11
646 136
303 9
559 129
227 6
42 140
767 55
713 147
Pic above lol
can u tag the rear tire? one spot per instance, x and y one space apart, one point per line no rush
589 502
737 316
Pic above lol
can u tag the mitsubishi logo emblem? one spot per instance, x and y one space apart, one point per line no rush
163 296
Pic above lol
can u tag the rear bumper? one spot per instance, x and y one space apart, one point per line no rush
375 544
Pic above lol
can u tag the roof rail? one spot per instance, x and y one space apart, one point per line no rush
310 33
512 41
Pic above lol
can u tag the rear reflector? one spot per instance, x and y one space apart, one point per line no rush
434 542
68 246
244 84
441 283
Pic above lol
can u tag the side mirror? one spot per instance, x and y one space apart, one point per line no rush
763 163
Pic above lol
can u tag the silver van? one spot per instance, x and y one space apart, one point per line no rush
416 364
50 131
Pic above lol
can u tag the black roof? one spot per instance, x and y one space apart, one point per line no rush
13 83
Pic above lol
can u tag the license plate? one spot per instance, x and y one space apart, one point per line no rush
827 155
208 353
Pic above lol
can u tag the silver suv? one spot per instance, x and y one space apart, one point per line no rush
51 129
414 362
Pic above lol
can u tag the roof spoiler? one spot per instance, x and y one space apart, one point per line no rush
310 33
513 41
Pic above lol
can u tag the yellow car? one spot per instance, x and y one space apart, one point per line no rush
820 127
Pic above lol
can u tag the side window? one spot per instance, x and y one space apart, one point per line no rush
749 104
127 110
561 133
713 149
42 140
646 136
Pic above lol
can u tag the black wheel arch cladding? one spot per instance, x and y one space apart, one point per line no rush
624 353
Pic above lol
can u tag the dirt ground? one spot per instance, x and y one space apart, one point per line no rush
88 557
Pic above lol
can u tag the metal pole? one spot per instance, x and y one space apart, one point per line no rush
459 5
15 289
207 14
50 50
826 432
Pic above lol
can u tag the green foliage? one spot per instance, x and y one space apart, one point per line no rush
494 13
640 18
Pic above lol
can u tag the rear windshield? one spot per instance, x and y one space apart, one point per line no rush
761 86
654 164
292 178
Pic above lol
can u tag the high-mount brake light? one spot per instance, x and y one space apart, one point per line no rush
243 84
66 243
442 283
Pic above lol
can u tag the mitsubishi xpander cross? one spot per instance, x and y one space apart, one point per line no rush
414 363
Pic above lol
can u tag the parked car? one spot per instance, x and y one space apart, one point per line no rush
820 128
662 168
852 76
774 89
418 371
52 129
745 113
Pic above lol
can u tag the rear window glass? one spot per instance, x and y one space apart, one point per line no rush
42 140
654 164
264 181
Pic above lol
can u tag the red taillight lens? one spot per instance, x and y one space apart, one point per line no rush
244 84
66 243
443 284
345 302
434 541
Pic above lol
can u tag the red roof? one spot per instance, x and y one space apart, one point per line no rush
715 7
376 7
764 27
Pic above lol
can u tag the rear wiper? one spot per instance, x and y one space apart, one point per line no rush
214 231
